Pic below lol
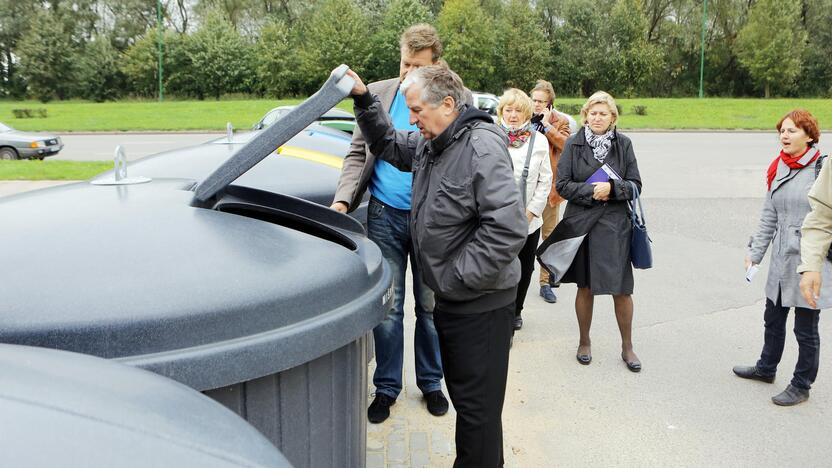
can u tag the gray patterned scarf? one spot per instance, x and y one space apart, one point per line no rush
600 143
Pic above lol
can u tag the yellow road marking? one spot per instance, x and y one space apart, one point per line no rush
311 155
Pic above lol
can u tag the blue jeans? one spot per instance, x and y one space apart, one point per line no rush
389 228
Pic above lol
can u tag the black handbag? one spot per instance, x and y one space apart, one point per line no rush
641 251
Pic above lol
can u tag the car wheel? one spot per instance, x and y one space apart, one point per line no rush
8 154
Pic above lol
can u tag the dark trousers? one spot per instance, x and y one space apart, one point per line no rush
527 262
808 341
474 350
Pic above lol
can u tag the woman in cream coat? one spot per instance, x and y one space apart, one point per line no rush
515 113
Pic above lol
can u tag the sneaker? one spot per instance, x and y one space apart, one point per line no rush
547 294
790 396
379 409
437 403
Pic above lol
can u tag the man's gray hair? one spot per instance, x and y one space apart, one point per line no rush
437 83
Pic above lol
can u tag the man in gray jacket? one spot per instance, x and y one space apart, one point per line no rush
467 227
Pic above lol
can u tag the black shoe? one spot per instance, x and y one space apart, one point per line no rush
634 366
379 409
518 322
437 403
751 372
585 359
790 396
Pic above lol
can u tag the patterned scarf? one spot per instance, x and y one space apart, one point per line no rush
600 143
517 137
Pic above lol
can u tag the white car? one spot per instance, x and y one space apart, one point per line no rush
21 145
486 102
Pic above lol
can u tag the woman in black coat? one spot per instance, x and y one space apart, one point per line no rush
602 264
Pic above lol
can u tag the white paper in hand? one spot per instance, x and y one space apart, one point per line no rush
752 270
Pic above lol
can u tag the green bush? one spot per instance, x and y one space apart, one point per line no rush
29 113
640 110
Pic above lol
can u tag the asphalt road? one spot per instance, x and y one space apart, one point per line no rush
101 147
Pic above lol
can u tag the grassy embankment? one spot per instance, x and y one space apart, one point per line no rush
674 114
79 116
52 170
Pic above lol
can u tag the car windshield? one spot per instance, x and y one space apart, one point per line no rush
488 104
4 128
274 116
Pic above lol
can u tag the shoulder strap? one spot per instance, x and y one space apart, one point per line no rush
819 164
526 169
636 210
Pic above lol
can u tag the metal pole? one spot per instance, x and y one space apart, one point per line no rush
160 32
702 50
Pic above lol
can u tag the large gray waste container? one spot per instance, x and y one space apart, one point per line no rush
263 301
254 302
71 410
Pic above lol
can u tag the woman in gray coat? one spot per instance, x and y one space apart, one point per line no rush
790 176
602 263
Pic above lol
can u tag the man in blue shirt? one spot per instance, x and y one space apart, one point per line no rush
388 220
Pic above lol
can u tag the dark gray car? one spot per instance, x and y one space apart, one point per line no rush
22 145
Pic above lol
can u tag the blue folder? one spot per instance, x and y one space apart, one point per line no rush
603 174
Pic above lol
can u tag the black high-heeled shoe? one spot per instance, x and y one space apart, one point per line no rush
634 366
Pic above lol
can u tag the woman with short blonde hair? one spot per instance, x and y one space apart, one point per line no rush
598 175
600 97
532 172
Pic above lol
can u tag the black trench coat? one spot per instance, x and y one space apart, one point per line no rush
603 260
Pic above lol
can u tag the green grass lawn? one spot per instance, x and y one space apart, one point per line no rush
715 113
682 113
52 170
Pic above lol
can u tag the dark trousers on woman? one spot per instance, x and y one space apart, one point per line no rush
474 350
527 261
808 340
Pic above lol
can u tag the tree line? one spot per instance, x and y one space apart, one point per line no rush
108 49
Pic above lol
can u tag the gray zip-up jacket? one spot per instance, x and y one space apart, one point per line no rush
467 219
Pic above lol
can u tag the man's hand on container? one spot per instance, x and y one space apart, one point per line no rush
810 282
339 206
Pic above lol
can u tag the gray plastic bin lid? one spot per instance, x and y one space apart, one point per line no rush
70 410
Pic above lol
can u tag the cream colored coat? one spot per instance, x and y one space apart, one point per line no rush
817 227
539 180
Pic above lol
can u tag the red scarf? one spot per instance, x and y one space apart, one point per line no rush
791 161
